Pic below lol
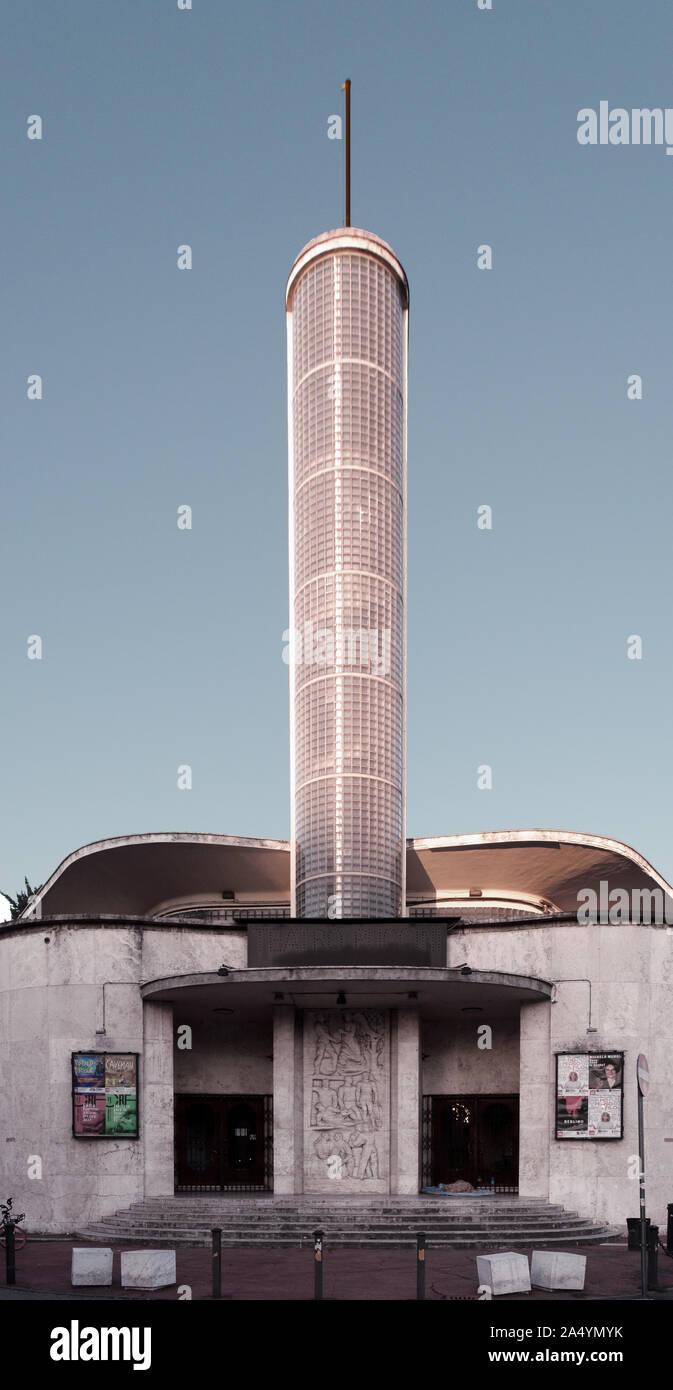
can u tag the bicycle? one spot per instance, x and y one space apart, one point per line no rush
20 1238
9 1221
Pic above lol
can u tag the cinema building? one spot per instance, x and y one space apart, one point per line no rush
350 1012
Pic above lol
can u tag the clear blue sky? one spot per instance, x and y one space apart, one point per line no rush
163 647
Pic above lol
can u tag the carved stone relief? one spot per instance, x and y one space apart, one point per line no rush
346 1066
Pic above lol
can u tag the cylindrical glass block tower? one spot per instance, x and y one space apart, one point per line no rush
347 317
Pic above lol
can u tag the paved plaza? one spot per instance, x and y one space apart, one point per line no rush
43 1271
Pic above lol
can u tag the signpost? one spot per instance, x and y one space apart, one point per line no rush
643 1074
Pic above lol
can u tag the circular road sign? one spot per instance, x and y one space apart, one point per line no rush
643 1073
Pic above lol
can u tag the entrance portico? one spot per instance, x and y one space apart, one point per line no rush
346 1046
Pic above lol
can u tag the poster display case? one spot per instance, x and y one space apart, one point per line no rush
589 1095
105 1095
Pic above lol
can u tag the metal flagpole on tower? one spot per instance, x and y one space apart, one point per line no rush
347 89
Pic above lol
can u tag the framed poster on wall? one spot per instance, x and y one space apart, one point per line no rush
105 1095
589 1095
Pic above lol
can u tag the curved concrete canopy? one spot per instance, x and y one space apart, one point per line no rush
436 992
554 864
147 875
139 874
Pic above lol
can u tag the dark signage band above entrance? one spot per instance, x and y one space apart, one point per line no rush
347 943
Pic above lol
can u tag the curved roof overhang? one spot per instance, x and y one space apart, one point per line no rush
145 875
139 874
554 865
436 992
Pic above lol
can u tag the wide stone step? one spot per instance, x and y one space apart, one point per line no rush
363 1238
348 1201
229 1223
309 1222
358 1232
570 1228
217 1218
346 1209
348 1223
345 1242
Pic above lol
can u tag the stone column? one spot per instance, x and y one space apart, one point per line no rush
287 1100
536 1098
156 1100
405 1102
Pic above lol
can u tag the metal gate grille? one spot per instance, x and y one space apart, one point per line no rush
268 1143
267 1183
426 1142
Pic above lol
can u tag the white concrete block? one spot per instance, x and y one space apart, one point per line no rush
91 1265
148 1269
555 1269
504 1273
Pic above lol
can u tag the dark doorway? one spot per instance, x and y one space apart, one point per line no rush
223 1143
476 1139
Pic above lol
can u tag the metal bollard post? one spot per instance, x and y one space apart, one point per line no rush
10 1254
318 1237
216 1234
420 1265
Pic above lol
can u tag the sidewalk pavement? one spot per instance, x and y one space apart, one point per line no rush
43 1272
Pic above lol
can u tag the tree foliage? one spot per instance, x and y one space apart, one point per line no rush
18 904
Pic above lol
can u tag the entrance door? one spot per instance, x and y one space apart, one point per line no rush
476 1139
220 1143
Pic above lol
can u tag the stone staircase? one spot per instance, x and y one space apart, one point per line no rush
460 1223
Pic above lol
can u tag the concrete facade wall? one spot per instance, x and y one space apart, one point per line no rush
60 985
56 993
455 1064
630 970
226 1057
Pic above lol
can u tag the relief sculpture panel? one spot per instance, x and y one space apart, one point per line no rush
346 1086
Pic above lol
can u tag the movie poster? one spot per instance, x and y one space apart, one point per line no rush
573 1075
572 1117
589 1095
120 1071
121 1116
605 1114
605 1071
89 1113
89 1071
